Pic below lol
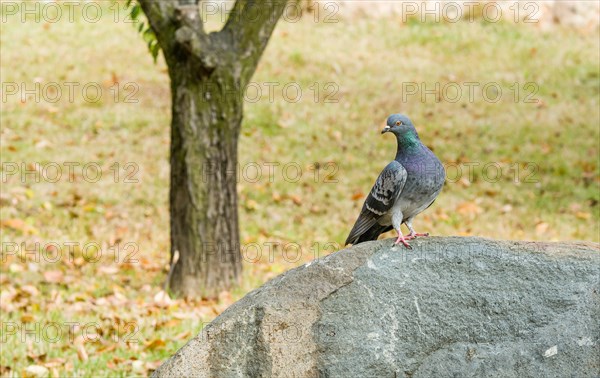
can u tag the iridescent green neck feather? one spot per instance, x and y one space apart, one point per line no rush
408 142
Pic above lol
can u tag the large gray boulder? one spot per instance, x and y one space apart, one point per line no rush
450 307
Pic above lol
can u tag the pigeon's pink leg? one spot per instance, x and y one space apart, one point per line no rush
397 223
413 234
402 239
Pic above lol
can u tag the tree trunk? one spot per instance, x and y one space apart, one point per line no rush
205 255
209 73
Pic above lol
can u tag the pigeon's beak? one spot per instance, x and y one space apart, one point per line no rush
385 129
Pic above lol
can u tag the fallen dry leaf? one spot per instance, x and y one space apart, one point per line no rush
81 352
296 199
468 208
357 195
18 225
137 366
251 205
541 228
162 299
171 323
54 276
108 269
155 344
182 335
30 290
36 371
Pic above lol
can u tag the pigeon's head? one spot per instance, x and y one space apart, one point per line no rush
399 124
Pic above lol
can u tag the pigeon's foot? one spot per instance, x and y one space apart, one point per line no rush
402 239
414 235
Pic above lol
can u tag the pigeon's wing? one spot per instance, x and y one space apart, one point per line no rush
380 200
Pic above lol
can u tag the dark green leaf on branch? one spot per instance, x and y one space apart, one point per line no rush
135 12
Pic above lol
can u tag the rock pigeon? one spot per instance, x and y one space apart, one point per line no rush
406 187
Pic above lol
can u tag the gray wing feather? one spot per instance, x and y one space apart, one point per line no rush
380 200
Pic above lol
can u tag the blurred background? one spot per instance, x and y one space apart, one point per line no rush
506 95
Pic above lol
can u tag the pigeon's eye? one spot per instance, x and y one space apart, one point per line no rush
398 123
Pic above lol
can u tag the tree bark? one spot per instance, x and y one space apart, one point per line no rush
209 73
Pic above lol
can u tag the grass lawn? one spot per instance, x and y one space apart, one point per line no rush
515 119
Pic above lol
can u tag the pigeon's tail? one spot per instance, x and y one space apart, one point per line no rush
371 234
